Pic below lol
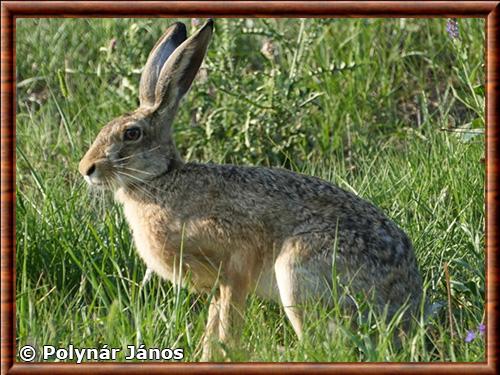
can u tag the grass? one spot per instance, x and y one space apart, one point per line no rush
361 103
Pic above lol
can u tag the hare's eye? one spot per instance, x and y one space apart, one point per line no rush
132 134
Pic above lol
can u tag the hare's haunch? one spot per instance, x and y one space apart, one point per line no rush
241 229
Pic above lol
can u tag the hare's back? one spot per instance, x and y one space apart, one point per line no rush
290 203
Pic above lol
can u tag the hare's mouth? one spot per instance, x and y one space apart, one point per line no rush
92 181
101 182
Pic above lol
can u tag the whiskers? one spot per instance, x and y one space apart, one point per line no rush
133 177
138 183
134 155
135 170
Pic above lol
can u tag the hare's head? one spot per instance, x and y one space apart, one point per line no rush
139 145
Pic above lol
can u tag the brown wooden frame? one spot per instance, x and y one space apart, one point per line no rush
10 10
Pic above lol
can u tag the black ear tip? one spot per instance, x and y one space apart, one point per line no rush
179 32
210 23
180 27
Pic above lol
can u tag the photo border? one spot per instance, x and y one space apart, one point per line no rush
11 10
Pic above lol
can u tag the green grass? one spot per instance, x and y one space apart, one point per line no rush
370 123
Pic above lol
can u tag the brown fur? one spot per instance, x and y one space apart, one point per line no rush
241 229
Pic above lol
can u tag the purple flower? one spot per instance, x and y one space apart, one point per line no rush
196 22
481 328
452 28
471 335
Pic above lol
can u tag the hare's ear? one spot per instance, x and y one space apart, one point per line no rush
164 47
181 67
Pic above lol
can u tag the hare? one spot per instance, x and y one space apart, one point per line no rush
233 230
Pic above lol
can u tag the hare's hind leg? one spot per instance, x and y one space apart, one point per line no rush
302 276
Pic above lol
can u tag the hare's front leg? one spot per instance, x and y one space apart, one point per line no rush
231 314
227 308
211 334
225 320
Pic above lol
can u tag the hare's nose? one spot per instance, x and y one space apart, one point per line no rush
86 168
90 170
